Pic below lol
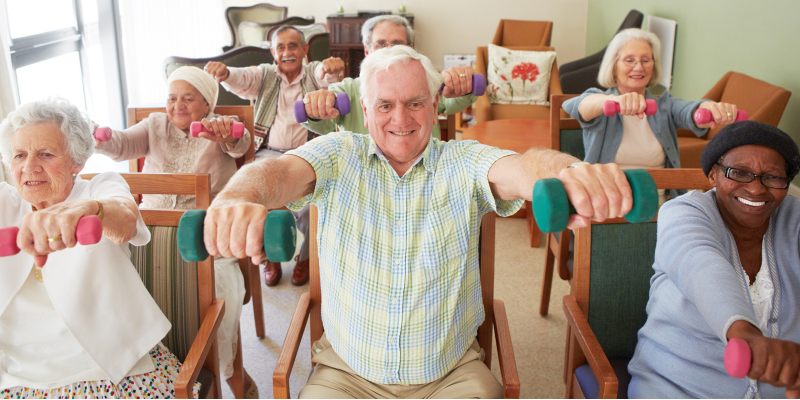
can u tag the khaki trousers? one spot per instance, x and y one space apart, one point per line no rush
333 379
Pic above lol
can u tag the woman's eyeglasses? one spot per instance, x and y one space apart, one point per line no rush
631 62
743 176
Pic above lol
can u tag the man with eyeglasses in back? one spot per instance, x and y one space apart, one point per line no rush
275 88
383 31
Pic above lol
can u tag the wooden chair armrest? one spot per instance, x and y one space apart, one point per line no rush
505 351
205 338
283 369
582 332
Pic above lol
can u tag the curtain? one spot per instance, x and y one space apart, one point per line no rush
153 30
7 102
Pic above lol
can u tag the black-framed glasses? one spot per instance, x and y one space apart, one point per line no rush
743 176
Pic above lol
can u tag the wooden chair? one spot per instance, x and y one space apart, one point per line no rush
523 33
763 101
319 47
252 279
447 126
184 291
566 136
309 307
610 289
241 57
259 34
486 111
262 12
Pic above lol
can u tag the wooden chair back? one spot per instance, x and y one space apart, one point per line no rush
319 47
262 12
185 341
137 113
523 33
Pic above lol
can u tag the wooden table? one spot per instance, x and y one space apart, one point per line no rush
518 135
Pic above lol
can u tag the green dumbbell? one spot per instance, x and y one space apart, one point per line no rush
551 207
280 236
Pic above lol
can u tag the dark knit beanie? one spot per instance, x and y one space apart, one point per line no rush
744 133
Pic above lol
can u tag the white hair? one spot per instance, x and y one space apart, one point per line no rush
370 24
384 59
75 125
606 76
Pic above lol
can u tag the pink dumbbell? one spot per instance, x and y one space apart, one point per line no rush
89 231
703 116
611 107
103 133
237 129
341 103
478 85
737 358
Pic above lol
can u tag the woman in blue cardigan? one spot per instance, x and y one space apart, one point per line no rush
630 138
727 265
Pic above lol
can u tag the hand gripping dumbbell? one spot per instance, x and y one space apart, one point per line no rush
478 85
88 231
342 103
737 358
102 133
551 207
280 236
611 107
703 116
237 129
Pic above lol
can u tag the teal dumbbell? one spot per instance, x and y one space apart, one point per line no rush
280 236
551 207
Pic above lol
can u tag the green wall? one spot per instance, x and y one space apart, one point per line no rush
757 38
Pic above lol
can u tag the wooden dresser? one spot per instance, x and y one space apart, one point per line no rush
345 31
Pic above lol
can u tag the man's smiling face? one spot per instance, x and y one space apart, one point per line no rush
289 52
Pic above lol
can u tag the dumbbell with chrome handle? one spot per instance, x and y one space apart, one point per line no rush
551 207
88 231
341 103
478 85
237 129
611 107
703 116
280 236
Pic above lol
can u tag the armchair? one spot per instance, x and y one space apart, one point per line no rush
184 291
309 308
486 111
610 289
523 33
763 101
262 12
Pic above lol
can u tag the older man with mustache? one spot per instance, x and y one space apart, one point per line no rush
399 233
275 88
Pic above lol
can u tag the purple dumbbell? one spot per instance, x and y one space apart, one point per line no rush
237 129
102 133
703 116
611 107
737 358
478 85
342 103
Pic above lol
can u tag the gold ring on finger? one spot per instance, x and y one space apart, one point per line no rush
462 75
306 100
54 239
730 115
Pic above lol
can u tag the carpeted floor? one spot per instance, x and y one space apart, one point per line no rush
538 342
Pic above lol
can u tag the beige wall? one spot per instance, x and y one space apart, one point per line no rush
459 26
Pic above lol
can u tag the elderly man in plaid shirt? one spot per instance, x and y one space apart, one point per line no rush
398 234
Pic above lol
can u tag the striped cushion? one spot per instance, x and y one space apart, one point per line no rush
173 284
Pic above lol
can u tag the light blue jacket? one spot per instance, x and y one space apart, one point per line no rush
699 289
603 135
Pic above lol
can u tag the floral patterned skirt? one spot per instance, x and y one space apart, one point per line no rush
158 383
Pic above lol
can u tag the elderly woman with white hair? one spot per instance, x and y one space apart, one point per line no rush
59 334
630 138
164 140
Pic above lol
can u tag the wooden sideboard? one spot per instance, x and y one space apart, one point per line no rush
345 31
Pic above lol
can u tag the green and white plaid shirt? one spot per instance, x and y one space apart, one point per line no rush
399 264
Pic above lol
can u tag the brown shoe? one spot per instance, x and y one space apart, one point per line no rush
272 272
300 274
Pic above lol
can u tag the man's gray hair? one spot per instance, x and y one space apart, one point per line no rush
75 125
385 59
606 76
369 25
284 28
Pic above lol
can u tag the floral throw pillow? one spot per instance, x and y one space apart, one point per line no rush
519 77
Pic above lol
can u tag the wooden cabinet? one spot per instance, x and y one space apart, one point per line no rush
345 31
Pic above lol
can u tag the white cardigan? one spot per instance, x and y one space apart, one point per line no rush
95 289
